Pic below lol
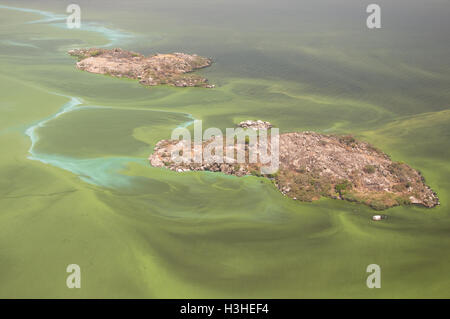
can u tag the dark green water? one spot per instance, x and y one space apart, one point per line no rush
138 231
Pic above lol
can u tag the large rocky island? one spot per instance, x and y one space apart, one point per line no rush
173 69
313 165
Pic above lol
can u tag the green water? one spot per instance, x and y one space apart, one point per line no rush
75 185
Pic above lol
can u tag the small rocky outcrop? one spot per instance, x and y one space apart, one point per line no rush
255 125
173 69
312 165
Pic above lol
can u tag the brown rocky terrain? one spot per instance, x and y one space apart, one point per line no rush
255 125
171 69
314 165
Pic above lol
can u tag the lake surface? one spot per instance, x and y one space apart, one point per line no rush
76 187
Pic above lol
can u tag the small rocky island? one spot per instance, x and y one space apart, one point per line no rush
313 165
174 69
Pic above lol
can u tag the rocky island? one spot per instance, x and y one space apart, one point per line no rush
174 69
313 165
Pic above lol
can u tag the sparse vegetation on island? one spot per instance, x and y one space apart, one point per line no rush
314 165
160 69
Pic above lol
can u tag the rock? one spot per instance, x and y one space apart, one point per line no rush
314 165
170 69
414 200
256 125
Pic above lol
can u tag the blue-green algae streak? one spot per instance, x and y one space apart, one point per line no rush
76 186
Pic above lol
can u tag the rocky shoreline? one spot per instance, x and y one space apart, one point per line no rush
314 165
174 69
